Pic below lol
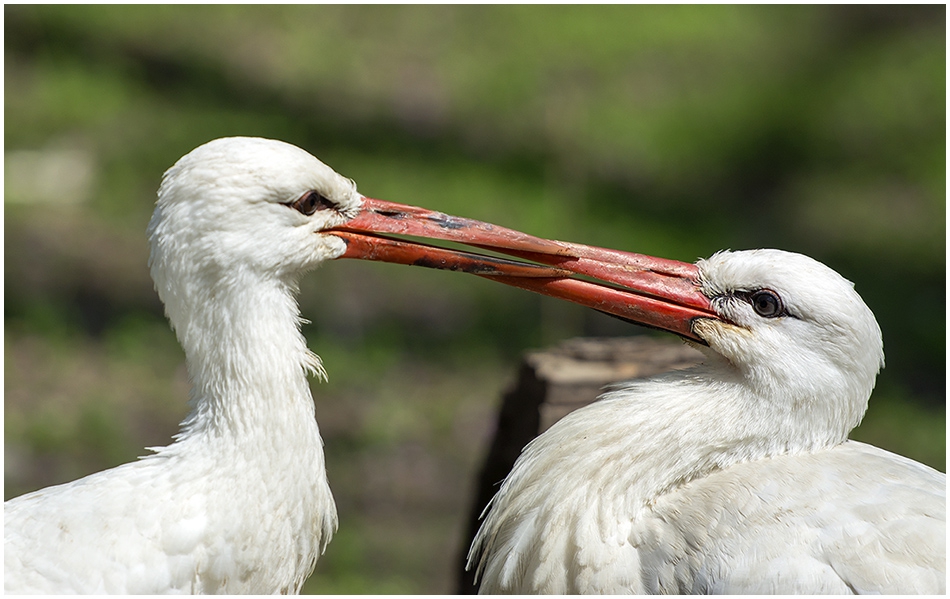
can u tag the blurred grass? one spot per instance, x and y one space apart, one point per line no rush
675 131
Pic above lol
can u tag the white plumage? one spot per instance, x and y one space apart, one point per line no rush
734 476
239 503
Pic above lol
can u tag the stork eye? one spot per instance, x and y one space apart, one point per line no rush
767 303
312 201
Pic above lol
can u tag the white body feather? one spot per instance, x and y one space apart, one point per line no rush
239 503
731 477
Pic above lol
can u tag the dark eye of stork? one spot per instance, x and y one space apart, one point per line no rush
312 201
766 303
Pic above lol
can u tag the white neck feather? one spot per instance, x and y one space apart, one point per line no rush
647 437
247 359
253 419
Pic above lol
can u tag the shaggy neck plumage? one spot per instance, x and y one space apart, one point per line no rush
668 430
246 357
687 424
252 409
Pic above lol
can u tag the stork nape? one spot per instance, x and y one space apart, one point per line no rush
734 476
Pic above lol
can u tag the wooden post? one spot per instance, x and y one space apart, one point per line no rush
552 383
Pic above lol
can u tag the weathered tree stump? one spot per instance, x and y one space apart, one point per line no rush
552 383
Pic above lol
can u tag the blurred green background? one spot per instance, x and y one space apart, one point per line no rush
675 131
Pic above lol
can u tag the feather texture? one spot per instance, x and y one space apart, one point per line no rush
734 476
239 503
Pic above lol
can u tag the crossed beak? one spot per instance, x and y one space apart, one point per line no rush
654 292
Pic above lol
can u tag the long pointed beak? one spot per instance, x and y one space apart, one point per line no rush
654 292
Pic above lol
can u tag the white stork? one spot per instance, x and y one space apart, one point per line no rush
735 476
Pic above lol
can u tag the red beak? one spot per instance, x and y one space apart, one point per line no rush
655 292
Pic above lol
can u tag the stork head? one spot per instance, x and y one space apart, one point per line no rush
246 205
239 215
793 327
